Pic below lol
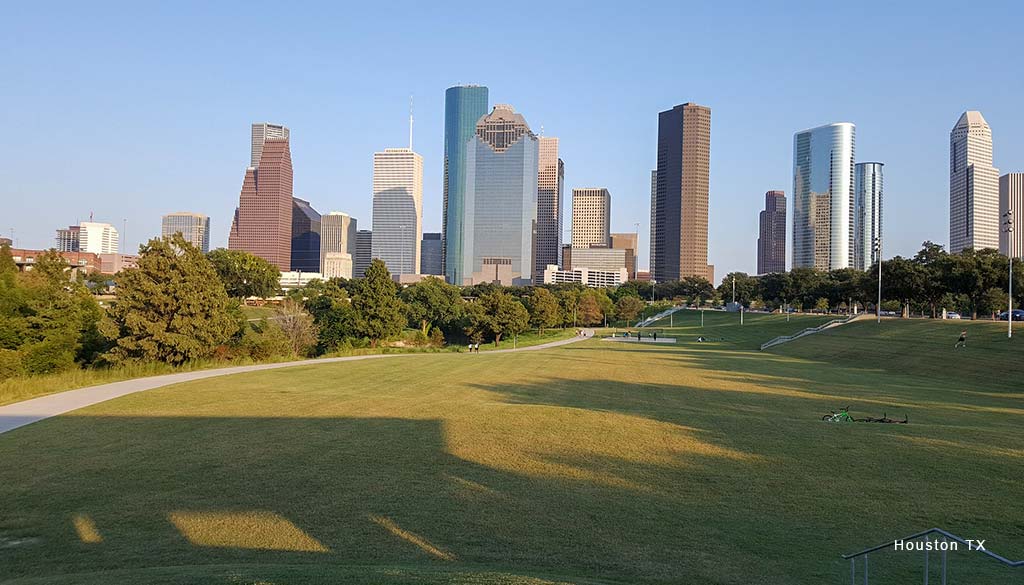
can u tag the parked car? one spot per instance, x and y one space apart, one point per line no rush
953 315
1018 315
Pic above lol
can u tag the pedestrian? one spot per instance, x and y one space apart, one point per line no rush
962 342
654 335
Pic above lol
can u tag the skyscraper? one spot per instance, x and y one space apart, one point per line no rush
337 244
867 219
430 254
654 218
973 185
398 209
500 199
305 236
591 217
771 239
823 207
364 253
627 241
1011 198
681 201
549 206
97 238
68 240
261 131
194 227
464 105
263 219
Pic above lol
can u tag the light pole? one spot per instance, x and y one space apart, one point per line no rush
1008 228
878 255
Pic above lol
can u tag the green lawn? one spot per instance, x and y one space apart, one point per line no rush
598 462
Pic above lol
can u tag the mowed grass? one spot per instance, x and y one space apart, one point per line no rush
597 462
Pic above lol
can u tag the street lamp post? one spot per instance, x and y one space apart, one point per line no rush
1008 228
878 255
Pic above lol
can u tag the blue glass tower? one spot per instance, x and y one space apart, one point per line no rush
464 105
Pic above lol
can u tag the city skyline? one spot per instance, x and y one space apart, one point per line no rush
201 124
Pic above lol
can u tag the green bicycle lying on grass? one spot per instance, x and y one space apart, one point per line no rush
844 416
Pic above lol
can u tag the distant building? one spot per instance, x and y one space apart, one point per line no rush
643 275
681 200
591 217
500 206
867 214
566 262
6 242
296 279
263 219
585 276
430 254
628 242
607 259
398 209
550 180
495 271
114 263
771 239
194 227
364 253
1011 197
973 186
305 236
823 199
80 262
338 245
97 238
654 215
464 105
69 240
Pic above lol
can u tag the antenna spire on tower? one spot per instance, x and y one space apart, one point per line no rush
410 122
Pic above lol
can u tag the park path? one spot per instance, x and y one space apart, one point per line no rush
29 411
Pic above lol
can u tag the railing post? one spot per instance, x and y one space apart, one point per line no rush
853 571
926 562
944 539
865 569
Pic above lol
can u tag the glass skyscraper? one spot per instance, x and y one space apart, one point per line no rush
305 236
464 105
868 213
823 208
500 199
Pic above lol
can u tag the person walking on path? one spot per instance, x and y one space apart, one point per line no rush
962 342
654 336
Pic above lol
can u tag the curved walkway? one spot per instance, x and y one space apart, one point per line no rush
26 412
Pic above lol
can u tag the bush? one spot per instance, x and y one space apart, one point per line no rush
10 364
54 354
436 337
264 341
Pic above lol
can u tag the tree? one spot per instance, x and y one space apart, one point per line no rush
297 326
746 287
244 274
590 312
332 314
172 308
932 260
380 314
497 313
629 308
544 309
569 301
432 302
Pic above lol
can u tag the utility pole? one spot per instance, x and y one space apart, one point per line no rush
1008 228
878 254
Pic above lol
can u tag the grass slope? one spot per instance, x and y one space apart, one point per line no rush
599 462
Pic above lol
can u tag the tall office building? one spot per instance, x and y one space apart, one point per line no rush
591 217
771 239
500 200
823 209
654 218
681 201
337 245
629 243
97 238
398 209
973 186
261 131
549 206
194 227
364 253
1011 198
867 215
305 236
68 239
464 105
430 254
263 219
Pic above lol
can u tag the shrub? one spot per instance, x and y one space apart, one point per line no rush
10 364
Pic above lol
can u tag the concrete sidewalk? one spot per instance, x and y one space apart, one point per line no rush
20 414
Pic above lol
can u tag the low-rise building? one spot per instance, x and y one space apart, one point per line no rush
84 262
114 263
586 276
298 279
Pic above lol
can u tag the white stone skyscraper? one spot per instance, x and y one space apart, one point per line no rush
398 209
823 197
973 185
591 217
261 131
550 179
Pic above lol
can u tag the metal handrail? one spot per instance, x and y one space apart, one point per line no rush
807 331
953 537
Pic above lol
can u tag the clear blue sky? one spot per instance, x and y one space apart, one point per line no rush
132 110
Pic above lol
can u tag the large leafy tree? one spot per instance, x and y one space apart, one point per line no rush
172 308
746 287
380 314
496 314
629 307
544 309
594 307
432 302
332 312
244 274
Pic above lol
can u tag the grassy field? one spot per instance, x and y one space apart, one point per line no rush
598 462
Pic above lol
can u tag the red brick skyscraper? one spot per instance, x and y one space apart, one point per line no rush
263 218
